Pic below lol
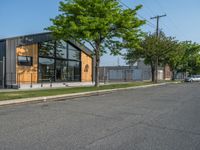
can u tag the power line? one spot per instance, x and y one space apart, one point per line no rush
157 20
159 5
148 22
150 10
151 24
169 18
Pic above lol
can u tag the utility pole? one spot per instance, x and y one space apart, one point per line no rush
157 35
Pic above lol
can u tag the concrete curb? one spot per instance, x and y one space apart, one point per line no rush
71 96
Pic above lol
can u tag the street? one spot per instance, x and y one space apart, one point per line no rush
155 118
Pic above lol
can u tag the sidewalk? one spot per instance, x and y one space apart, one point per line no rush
54 85
45 86
71 96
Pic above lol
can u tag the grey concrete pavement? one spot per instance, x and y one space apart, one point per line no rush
155 118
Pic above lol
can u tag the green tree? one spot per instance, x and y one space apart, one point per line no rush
153 50
191 58
104 24
185 57
174 58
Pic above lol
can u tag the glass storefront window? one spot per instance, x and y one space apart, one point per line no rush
46 69
59 61
74 71
61 49
25 60
74 53
61 70
47 49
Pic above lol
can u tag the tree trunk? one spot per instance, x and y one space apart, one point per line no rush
97 73
156 70
152 72
97 65
173 75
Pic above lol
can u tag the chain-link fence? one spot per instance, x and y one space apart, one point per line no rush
129 74
124 75
1 81
1 74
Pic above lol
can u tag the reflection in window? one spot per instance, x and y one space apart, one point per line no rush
55 61
74 71
25 60
46 69
61 49
47 49
61 70
74 53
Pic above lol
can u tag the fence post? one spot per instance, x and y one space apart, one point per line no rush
3 77
107 78
41 83
11 80
18 80
104 75
50 82
125 75
31 81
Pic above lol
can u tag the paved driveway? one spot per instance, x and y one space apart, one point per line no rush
157 118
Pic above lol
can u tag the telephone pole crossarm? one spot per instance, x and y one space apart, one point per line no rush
159 16
157 19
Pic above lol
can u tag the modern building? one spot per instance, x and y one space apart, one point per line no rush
40 58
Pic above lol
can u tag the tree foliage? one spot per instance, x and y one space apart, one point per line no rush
104 24
191 58
180 56
152 49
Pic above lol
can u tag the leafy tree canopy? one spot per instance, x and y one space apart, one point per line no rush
191 58
104 24
99 22
152 49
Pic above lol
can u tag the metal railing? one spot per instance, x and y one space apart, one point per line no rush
30 80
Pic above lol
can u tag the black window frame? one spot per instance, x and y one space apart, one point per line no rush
74 49
25 63
59 58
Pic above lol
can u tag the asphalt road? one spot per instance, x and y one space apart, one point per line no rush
157 118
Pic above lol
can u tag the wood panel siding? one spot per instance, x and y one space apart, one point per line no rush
27 74
86 67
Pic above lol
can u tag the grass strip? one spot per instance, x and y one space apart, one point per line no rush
60 91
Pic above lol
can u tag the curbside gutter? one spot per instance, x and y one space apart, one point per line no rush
73 95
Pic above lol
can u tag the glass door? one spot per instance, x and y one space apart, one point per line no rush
61 70
74 72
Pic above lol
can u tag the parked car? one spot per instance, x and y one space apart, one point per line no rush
192 78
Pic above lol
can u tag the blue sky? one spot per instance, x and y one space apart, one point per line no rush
19 17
